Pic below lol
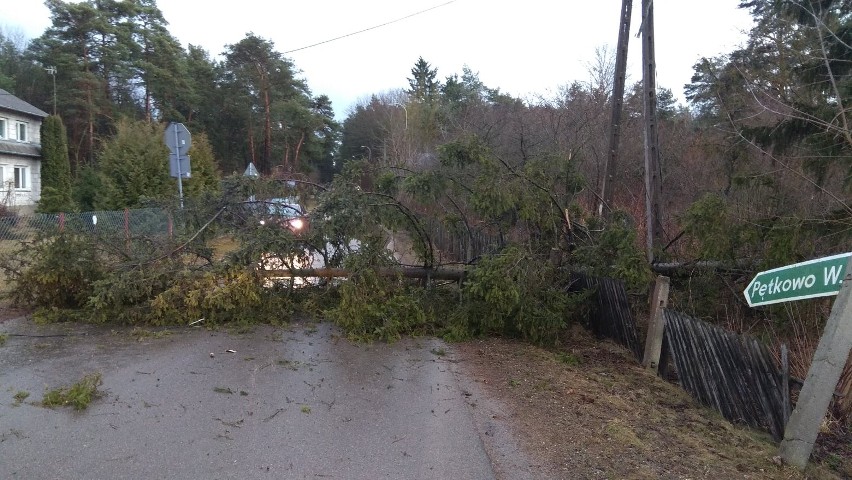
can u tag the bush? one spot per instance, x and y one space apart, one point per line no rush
78 395
615 253
374 308
517 294
56 272
172 293
225 295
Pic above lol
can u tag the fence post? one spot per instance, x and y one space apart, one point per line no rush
61 222
785 382
656 323
127 229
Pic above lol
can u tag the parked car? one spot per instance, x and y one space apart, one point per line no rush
286 213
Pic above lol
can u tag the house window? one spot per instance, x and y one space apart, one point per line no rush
2 128
22 132
21 180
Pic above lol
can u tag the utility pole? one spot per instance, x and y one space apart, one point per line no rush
605 205
406 113
653 182
52 72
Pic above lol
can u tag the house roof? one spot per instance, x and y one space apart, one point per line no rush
11 102
21 149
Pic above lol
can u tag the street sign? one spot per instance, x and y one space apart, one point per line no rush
815 278
179 141
177 138
184 166
251 171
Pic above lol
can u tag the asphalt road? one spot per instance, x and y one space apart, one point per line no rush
291 402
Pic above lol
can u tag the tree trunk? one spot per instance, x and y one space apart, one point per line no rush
296 153
267 122
843 405
147 86
251 145
90 125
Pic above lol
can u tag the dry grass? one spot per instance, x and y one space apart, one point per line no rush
606 417
223 245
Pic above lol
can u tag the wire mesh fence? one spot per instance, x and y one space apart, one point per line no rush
454 244
119 224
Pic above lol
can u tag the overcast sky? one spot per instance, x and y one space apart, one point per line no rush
525 48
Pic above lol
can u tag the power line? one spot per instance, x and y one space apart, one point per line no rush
371 28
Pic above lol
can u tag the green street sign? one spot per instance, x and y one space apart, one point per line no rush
811 279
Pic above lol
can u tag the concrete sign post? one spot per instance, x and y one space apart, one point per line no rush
816 278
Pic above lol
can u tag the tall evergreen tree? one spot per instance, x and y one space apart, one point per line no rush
425 94
423 86
326 136
78 44
134 167
259 74
790 88
55 167
270 114
205 178
200 103
10 61
158 61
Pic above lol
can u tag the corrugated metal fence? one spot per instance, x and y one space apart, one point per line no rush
611 316
732 373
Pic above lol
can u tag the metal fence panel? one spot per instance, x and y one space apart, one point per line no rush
734 374
117 223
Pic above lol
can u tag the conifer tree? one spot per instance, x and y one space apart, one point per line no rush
204 177
55 167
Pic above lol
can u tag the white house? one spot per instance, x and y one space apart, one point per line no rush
20 153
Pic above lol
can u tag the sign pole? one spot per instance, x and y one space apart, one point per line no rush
179 173
827 366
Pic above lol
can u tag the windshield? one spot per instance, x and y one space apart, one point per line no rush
283 208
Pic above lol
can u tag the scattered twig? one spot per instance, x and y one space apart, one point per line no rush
273 415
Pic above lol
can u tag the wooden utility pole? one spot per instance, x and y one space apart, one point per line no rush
653 187
605 205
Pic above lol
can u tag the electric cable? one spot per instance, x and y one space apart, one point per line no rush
370 28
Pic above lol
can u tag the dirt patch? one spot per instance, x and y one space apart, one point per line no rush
8 312
590 411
